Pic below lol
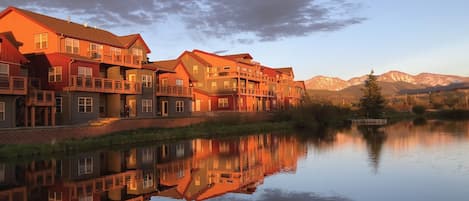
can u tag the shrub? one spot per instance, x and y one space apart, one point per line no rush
418 109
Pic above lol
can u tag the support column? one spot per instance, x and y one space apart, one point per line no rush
33 116
26 117
46 116
52 116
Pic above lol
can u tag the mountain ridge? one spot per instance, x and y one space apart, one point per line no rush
424 79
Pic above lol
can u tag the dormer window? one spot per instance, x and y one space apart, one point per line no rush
72 46
96 51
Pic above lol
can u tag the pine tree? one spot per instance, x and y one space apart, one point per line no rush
372 102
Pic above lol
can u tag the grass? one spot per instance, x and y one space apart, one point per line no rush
211 129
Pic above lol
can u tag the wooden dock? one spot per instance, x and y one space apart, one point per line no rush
369 122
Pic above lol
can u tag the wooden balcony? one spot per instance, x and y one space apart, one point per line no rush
235 74
104 85
41 98
121 60
13 85
176 91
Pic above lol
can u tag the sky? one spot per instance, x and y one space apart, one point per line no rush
337 38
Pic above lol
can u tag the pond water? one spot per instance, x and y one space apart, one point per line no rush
403 161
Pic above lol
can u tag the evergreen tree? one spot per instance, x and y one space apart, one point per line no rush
372 102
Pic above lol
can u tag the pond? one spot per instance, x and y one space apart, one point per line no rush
403 161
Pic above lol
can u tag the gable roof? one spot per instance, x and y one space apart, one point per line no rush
9 51
172 65
71 29
196 57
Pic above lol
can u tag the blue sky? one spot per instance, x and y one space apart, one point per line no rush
349 39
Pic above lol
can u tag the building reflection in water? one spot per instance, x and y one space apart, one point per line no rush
192 170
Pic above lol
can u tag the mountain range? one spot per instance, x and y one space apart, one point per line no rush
400 79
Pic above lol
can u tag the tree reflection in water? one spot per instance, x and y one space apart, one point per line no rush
374 137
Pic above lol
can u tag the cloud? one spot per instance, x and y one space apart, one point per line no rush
243 21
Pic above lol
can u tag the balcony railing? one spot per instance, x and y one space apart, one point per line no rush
15 85
104 85
120 59
173 91
246 75
41 98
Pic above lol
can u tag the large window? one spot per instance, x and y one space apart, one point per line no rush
116 54
40 41
72 46
179 150
85 71
55 74
58 104
195 69
147 81
85 104
55 196
96 51
147 105
214 85
226 84
223 102
147 155
85 166
179 106
2 111
147 180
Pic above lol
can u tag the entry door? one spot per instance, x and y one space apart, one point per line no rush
164 108
132 77
132 108
209 105
197 105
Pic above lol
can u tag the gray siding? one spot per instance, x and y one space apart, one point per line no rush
10 111
172 106
70 114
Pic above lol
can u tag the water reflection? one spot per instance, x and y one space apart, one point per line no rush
201 169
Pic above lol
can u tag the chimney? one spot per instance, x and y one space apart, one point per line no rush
69 19
85 24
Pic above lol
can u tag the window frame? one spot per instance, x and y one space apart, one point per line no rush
223 103
147 105
73 44
55 72
2 110
147 81
179 106
87 166
6 67
85 104
97 50
41 41
58 107
179 82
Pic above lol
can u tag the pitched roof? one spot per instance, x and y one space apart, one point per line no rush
285 70
223 57
239 56
7 46
269 71
172 65
72 29
196 57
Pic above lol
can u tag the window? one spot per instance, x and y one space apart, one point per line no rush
55 196
226 68
147 155
85 198
147 105
179 106
72 46
2 172
147 180
180 173
137 52
85 104
179 150
96 50
179 82
164 151
147 81
164 82
2 111
195 69
40 41
116 53
85 166
58 104
214 85
4 70
226 84
55 74
85 71
223 102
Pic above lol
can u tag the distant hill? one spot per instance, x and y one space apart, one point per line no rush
395 80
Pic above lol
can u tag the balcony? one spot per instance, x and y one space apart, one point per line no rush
234 74
104 85
177 91
13 85
41 98
256 92
129 60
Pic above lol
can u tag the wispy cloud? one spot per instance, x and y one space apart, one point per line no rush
223 19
